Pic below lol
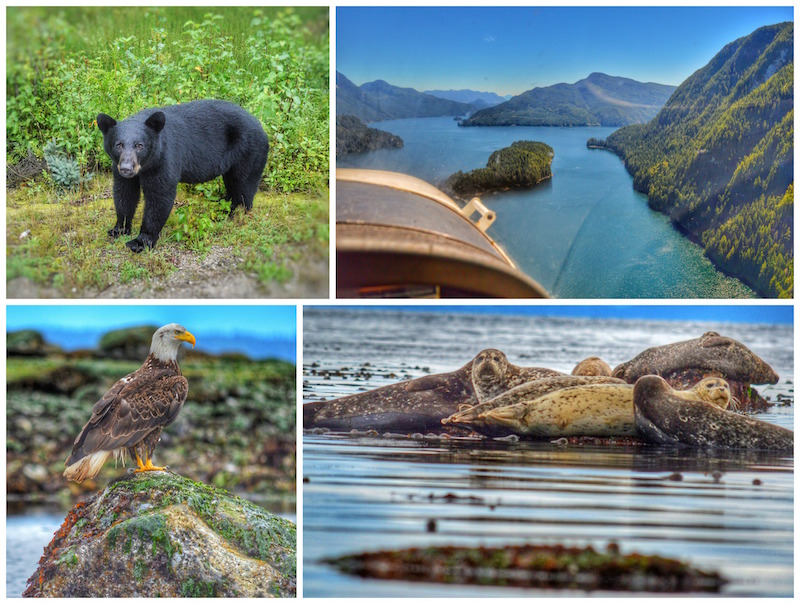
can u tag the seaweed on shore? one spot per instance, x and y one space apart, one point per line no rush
540 566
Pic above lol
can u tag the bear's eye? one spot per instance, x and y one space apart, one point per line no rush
119 145
139 146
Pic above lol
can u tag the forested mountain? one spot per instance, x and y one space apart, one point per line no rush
717 159
473 97
598 100
379 100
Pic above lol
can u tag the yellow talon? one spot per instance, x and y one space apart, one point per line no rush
147 466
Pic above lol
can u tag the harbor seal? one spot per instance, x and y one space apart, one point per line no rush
663 418
683 364
493 374
524 392
592 366
420 404
590 410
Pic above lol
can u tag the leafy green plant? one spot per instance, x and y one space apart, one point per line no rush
62 71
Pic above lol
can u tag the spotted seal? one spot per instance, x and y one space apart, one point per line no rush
662 417
590 410
524 392
684 363
592 366
420 404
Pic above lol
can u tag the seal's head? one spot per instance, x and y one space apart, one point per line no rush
488 372
713 390
592 366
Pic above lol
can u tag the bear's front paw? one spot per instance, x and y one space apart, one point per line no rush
117 231
141 243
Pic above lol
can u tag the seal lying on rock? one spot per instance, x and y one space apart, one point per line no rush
683 364
524 392
420 404
590 410
662 417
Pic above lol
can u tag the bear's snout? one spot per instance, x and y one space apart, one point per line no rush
128 165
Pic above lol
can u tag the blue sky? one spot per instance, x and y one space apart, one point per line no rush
260 330
512 49
708 313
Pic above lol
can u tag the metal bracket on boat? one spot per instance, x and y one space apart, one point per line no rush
487 217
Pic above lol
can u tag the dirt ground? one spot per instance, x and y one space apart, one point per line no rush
214 277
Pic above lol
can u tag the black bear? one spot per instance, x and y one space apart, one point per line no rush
155 149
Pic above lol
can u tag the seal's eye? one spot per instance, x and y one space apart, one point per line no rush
480 357
496 358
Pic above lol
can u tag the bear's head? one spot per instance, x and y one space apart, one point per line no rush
130 143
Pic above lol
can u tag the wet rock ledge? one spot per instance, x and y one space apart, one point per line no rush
157 534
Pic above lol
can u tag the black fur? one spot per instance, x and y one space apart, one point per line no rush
155 149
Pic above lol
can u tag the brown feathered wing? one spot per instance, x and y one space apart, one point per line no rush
147 399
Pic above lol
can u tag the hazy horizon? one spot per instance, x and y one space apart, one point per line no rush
512 50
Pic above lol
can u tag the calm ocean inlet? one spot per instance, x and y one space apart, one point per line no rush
583 234
728 511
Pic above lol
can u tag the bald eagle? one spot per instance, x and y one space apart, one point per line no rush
130 416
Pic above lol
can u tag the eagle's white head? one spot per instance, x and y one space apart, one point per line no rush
167 340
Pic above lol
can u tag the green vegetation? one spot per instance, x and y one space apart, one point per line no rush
718 159
65 245
65 65
523 164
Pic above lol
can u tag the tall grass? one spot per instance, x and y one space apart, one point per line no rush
65 65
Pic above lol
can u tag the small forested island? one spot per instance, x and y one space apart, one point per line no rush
523 164
353 136
717 159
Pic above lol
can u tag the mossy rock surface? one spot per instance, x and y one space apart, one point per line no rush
157 534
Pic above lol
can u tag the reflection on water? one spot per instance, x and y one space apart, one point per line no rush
725 511
731 512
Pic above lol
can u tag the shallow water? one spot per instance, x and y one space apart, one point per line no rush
585 233
371 493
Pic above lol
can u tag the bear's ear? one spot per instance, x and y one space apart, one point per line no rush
105 122
156 121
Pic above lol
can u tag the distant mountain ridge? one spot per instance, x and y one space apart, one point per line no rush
597 100
471 97
379 100
718 158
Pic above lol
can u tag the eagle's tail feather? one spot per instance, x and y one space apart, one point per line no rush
87 467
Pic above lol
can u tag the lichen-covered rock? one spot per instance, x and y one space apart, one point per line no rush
157 534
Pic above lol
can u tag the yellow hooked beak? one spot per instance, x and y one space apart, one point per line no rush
185 337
